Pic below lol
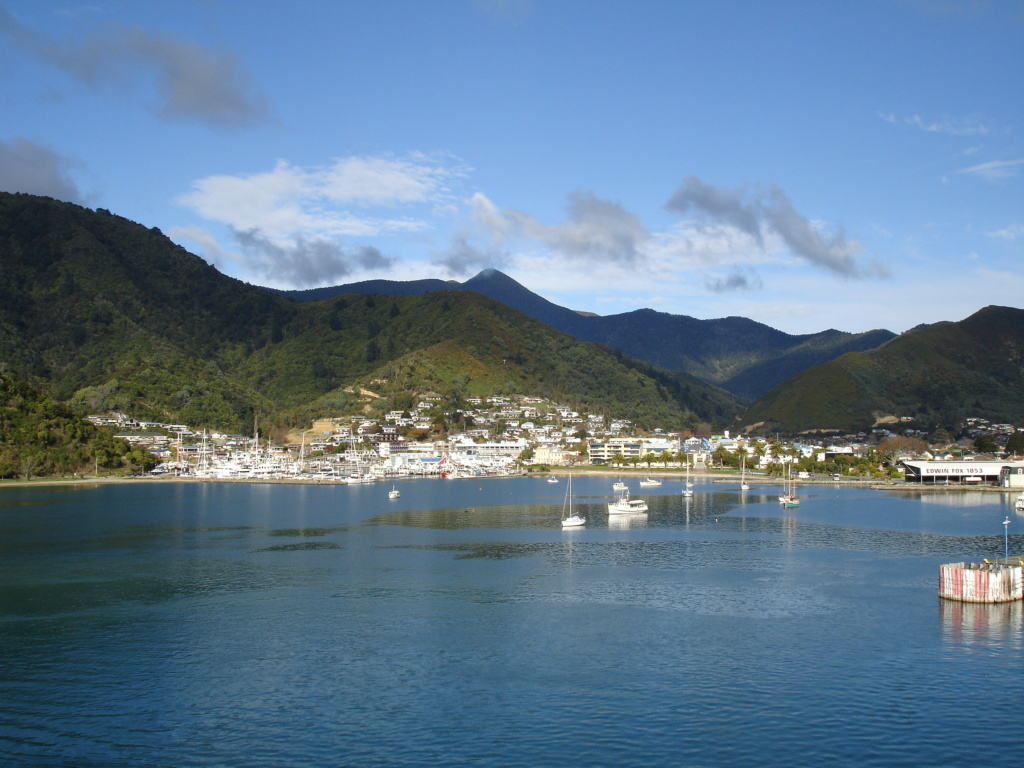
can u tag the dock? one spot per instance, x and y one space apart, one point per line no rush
990 581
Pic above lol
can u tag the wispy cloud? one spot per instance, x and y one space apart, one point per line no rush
462 257
325 201
995 169
26 166
737 280
594 231
194 82
760 212
291 223
306 261
947 125
1012 232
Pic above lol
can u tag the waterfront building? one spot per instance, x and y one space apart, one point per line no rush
961 472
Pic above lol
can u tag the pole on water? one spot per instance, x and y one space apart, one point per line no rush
1006 539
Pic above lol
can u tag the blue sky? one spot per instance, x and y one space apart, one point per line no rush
806 164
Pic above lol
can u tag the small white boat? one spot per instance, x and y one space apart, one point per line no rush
649 482
627 506
744 485
552 479
570 520
394 493
618 485
1019 504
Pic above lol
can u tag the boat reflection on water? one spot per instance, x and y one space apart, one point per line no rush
966 625
632 520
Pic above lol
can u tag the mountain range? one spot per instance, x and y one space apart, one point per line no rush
740 355
107 314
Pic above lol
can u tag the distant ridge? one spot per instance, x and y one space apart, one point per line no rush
935 375
741 355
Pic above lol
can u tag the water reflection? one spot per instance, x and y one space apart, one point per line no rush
982 625
623 522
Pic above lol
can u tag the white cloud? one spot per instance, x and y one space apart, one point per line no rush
316 201
947 125
291 223
994 169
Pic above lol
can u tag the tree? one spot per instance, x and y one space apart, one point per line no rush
986 444
891 448
1015 445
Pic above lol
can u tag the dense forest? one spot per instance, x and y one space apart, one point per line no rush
39 437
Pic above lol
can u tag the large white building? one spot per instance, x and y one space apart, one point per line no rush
962 472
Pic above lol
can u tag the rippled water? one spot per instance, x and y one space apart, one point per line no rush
261 625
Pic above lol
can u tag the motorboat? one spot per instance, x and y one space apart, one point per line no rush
394 493
626 506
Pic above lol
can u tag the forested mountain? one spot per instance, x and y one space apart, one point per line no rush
935 374
107 314
744 357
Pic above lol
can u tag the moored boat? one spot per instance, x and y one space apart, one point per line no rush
626 506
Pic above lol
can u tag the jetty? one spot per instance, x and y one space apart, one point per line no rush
990 581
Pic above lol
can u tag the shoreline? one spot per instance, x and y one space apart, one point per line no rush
714 477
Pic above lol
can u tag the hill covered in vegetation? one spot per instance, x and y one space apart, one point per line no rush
107 314
934 374
39 437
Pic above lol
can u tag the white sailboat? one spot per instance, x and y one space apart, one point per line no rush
789 499
687 485
650 482
570 520
394 493
744 486
618 485
552 479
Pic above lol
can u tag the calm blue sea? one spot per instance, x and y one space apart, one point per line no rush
269 625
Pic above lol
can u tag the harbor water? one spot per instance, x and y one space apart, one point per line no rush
209 624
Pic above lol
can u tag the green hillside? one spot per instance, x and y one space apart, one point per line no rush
936 374
39 437
106 314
